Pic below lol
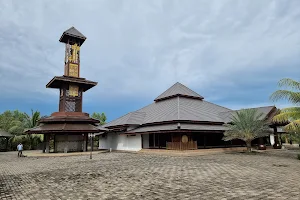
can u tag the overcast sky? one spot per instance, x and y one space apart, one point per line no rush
232 52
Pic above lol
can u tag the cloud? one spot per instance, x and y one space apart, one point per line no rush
228 51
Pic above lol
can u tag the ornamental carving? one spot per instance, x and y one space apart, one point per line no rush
184 139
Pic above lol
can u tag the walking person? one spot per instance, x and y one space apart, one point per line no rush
20 149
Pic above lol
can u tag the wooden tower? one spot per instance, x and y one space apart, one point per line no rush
69 127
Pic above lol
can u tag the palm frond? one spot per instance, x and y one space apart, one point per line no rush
18 138
289 83
39 136
293 126
292 97
246 124
33 120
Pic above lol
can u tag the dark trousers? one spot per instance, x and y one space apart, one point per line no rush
20 154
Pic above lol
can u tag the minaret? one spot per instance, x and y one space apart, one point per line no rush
71 93
71 85
69 128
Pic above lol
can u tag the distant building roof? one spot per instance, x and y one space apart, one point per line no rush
5 134
178 90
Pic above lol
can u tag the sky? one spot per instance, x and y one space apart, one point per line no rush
231 52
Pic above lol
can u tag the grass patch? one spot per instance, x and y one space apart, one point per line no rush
298 156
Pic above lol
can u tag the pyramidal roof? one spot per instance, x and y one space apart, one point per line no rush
178 90
72 32
169 109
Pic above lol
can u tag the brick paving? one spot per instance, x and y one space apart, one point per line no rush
113 176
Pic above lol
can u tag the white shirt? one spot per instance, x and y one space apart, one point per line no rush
20 147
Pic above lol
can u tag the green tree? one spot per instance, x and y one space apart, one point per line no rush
246 125
100 116
291 93
33 120
12 122
30 121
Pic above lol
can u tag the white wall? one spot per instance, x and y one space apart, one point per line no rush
121 142
103 142
272 139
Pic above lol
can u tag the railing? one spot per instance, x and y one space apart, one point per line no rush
191 145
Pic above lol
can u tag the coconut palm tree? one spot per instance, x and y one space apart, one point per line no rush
246 125
33 120
290 92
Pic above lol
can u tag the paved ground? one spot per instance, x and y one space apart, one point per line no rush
273 175
39 153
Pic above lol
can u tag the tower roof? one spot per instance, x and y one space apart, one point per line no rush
72 33
178 90
58 81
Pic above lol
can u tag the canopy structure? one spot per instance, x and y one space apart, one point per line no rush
5 135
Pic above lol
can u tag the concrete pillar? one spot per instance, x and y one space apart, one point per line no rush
272 139
6 148
66 149
277 144
47 138
85 137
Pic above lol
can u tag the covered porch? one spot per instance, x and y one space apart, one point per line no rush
187 140
184 139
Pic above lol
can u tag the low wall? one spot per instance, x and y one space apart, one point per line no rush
290 146
116 141
69 143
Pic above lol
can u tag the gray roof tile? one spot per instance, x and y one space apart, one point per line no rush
72 32
164 127
176 90
182 108
183 126
226 116
203 127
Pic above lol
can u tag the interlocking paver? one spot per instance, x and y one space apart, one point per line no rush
114 176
